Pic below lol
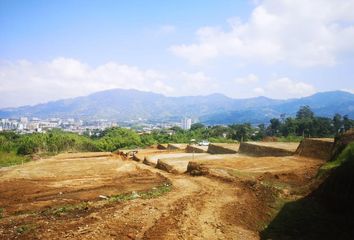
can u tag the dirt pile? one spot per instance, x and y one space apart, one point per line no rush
162 146
320 148
197 169
266 149
223 148
166 165
176 146
196 149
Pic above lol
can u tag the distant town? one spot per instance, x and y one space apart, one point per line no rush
25 125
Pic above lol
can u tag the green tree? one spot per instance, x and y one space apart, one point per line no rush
337 122
147 140
304 117
274 126
289 127
196 126
176 129
241 132
322 127
304 112
115 138
347 123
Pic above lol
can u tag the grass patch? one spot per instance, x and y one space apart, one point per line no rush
346 155
1 213
25 228
275 184
66 209
153 193
11 158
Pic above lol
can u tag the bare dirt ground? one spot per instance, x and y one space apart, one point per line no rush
205 207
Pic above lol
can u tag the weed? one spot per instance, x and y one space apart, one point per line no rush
156 192
63 210
26 228
11 158
153 193
346 155
1 212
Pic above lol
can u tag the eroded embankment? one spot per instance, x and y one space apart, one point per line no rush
260 149
223 148
176 146
196 149
327 211
320 148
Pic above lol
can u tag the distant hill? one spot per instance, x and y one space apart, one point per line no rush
324 104
122 105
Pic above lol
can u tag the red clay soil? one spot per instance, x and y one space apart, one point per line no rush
206 207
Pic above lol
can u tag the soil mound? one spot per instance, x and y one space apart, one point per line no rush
196 149
320 148
162 146
221 148
265 149
176 146
196 169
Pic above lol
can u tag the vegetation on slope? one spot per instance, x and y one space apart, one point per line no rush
326 212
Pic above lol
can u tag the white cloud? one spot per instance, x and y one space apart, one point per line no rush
196 83
196 53
258 91
25 82
249 79
286 88
301 33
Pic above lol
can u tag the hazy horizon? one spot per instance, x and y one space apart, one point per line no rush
273 48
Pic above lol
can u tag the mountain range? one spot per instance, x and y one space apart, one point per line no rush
124 105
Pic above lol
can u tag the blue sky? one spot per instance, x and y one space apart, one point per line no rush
281 49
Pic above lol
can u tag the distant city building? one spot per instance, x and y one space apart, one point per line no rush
186 123
24 120
25 125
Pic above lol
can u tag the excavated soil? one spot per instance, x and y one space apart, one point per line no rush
263 149
320 148
223 148
247 167
220 205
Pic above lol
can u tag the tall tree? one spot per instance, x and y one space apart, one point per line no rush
304 112
274 126
337 122
347 123
196 126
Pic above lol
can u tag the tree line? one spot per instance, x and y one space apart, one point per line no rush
304 124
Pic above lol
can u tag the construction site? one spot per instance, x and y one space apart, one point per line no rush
171 191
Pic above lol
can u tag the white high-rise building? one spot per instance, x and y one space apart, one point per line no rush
186 123
24 120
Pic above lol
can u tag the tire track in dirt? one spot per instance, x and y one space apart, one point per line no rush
194 209
199 215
